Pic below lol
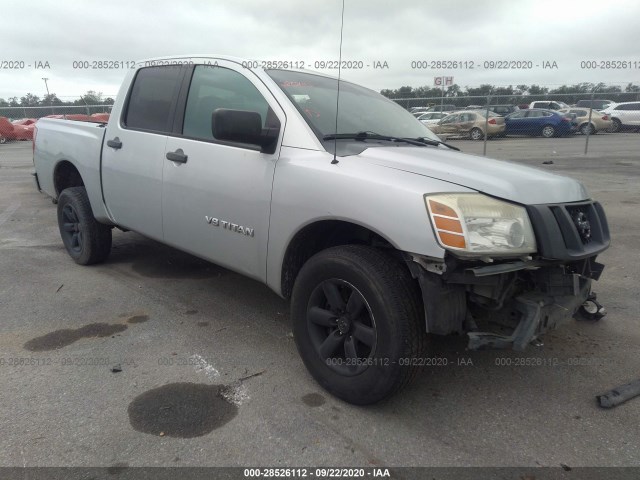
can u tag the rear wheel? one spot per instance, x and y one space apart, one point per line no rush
476 134
357 322
587 129
3 139
87 241
616 125
548 131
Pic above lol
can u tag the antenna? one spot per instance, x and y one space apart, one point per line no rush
335 138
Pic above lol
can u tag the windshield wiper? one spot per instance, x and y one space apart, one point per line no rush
369 136
435 143
361 136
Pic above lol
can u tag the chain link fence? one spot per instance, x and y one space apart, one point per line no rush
491 119
17 113
503 118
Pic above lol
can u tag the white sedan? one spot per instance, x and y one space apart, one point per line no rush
432 117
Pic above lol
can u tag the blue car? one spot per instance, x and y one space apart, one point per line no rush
538 121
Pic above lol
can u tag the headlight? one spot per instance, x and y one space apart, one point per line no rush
472 223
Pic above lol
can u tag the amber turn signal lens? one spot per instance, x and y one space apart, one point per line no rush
452 240
438 208
448 227
449 224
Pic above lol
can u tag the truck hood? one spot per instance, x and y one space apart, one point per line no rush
507 180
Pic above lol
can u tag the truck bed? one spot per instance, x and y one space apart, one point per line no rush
78 142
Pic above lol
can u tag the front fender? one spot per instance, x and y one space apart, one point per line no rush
308 188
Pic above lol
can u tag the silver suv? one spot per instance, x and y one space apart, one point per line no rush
549 104
624 115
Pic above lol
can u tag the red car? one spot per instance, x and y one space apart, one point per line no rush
102 117
23 129
7 131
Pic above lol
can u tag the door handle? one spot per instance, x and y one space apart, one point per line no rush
115 143
177 156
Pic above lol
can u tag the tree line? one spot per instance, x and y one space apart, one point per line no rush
52 100
520 93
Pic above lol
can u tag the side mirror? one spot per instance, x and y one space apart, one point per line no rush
240 126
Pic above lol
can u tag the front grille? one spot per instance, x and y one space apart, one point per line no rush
570 231
582 218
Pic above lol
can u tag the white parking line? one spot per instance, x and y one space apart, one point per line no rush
235 393
10 210
201 365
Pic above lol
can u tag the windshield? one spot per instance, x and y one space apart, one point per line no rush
361 109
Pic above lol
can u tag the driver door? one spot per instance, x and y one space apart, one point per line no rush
216 195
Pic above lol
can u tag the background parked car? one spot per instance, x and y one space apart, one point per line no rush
597 104
7 132
548 104
624 115
442 108
432 117
23 128
536 121
100 117
502 110
470 124
599 120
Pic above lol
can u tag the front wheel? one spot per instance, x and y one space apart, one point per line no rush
3 139
87 241
548 131
357 322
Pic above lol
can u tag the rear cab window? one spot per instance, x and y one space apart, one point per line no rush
152 99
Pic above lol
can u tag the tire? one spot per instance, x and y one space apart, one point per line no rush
586 128
374 315
3 140
476 134
548 131
616 125
87 241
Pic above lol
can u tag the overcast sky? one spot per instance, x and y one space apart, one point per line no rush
566 32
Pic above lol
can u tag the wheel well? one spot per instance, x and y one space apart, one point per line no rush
66 175
320 236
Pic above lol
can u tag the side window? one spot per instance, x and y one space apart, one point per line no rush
633 106
534 114
216 87
154 91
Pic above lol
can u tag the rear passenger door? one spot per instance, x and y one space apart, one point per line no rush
534 122
133 154
629 114
216 204
465 123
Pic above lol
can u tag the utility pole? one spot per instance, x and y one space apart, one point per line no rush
48 94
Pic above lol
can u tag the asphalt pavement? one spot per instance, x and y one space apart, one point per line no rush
157 358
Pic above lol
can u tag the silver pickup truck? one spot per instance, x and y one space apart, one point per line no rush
378 232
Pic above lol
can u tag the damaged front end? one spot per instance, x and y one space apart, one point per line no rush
510 303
